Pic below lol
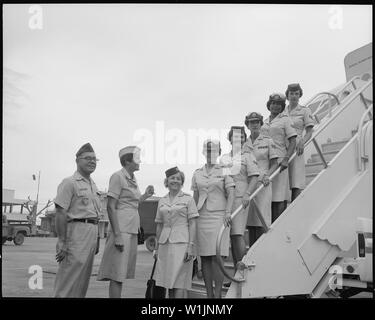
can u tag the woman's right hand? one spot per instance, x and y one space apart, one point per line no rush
266 180
119 242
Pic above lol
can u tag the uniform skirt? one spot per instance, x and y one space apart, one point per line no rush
208 227
297 172
171 270
116 265
239 222
263 200
280 185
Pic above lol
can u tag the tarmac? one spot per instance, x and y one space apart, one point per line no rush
18 269
20 262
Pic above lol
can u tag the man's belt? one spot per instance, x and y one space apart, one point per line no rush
93 221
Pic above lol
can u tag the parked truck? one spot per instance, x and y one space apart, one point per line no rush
15 230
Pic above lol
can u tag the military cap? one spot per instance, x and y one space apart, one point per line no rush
171 172
85 148
293 87
276 97
129 149
253 116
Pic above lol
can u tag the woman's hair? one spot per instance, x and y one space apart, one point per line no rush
182 175
126 158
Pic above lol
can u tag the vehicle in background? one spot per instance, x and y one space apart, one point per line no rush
147 212
15 230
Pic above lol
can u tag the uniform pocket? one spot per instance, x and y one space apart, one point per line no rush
83 197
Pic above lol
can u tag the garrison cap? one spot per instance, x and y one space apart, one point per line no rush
293 87
171 172
128 149
85 148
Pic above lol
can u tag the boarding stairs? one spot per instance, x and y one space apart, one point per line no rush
295 256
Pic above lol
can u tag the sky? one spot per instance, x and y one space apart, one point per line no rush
164 77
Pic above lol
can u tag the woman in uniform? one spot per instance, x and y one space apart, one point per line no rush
214 195
279 127
175 233
242 167
302 121
120 253
266 156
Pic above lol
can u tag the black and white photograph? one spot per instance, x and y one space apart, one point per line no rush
187 151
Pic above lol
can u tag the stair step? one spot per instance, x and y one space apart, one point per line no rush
327 155
314 168
310 177
333 146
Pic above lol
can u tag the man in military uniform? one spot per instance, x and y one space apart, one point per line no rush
77 211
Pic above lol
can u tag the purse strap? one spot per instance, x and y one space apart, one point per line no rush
153 269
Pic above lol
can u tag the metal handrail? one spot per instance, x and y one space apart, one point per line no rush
276 172
321 94
360 137
330 106
350 82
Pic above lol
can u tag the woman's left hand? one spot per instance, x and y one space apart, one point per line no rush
299 147
189 255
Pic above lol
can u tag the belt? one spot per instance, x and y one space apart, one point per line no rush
93 221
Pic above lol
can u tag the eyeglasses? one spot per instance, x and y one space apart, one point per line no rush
89 159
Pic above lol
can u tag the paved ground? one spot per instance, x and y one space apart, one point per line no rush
16 261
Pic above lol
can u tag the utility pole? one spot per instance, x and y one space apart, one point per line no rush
37 195
35 208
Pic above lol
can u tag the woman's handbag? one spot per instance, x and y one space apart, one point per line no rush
141 236
153 291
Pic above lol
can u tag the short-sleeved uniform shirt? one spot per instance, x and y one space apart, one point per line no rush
264 149
240 167
212 187
175 217
124 188
301 118
280 129
79 197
